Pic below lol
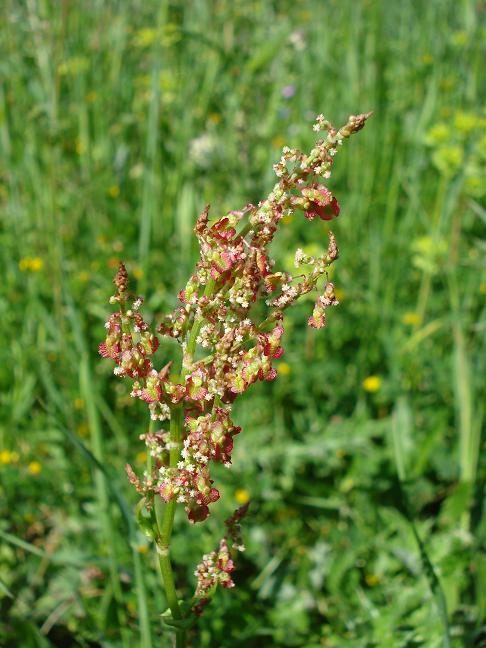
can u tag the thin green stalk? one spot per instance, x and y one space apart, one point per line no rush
426 284
164 514
105 491
102 492
151 175
165 521
196 327
400 429
143 613
467 423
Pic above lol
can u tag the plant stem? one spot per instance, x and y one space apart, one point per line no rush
426 283
102 494
196 327
164 514
165 520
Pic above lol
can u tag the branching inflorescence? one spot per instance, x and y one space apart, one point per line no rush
227 341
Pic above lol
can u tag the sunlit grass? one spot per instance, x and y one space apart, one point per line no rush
118 123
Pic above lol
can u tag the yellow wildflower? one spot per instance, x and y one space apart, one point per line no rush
372 384
145 37
475 185
214 118
465 122
137 273
284 369
142 457
438 134
412 319
242 496
83 429
34 264
287 219
79 146
114 191
278 141
5 457
448 159
78 403
35 467
142 549
372 580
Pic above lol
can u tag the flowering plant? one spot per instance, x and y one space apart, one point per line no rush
226 344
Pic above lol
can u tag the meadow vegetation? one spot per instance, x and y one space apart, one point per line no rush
119 121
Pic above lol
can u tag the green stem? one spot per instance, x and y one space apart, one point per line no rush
86 388
196 327
165 521
247 228
426 283
164 514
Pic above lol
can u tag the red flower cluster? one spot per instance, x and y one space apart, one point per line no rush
225 346
319 201
131 355
216 567
209 438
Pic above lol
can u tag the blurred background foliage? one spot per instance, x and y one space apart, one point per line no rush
118 122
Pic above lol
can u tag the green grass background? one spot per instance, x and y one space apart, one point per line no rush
118 122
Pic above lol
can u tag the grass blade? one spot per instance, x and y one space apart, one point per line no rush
401 427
